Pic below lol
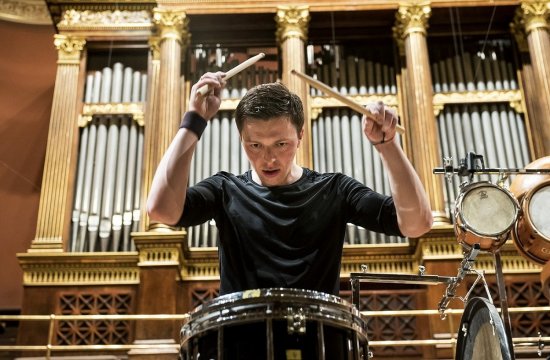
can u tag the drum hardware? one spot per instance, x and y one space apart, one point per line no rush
420 279
466 267
473 164
296 321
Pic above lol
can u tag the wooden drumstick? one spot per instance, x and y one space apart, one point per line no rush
329 91
203 90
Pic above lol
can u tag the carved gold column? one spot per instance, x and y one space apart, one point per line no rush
411 24
173 37
532 16
292 23
53 212
151 158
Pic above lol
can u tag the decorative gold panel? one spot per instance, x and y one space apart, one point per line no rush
513 97
89 110
201 264
79 269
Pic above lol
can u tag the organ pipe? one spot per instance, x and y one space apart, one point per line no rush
108 179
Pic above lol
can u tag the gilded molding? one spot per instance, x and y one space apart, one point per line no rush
159 255
69 48
412 17
111 20
513 97
160 249
292 22
79 269
512 263
133 109
173 24
33 12
200 264
533 14
318 103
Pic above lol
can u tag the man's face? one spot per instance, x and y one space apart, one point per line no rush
271 147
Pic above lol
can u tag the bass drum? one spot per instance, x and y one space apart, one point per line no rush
484 214
481 335
273 324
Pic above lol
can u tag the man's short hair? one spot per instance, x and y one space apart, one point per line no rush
268 101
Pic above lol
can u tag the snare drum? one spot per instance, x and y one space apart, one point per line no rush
271 324
484 213
481 335
532 231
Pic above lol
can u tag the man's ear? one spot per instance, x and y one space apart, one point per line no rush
301 134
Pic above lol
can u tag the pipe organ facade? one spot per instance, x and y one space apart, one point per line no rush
124 76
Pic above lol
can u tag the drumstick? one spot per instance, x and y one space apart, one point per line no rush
329 91
203 90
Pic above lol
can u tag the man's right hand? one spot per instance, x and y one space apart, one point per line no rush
207 105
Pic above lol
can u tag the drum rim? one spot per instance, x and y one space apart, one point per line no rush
472 307
466 226
276 292
215 313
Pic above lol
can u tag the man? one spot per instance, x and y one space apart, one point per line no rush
282 225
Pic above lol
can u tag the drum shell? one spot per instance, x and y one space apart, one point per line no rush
466 235
270 309
531 243
478 339
523 183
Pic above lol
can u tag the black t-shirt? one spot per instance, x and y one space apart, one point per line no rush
285 236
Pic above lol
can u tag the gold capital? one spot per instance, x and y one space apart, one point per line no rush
412 17
533 14
173 24
68 48
154 47
292 22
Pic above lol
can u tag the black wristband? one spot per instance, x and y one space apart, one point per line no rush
194 122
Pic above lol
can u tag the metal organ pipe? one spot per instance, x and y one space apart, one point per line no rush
118 206
79 187
492 129
108 179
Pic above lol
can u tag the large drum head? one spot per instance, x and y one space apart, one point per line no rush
485 214
481 335
532 233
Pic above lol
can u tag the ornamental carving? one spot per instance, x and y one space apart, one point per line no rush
412 17
292 22
533 15
69 48
172 24
25 11
104 18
